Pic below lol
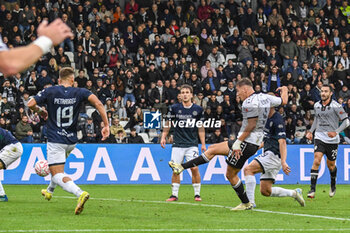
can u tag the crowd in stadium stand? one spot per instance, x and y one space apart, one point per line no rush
135 58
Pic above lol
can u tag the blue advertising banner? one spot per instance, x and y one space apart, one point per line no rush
148 164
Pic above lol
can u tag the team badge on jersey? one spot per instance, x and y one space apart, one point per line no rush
151 120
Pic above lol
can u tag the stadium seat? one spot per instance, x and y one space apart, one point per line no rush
70 55
262 47
144 137
80 135
222 89
123 123
89 111
36 137
152 133
231 56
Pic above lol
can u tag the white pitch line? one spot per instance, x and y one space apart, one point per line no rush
215 206
179 230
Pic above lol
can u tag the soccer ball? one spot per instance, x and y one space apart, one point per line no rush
42 168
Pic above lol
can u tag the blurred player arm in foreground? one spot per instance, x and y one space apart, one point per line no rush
284 94
312 129
165 133
283 150
201 133
252 122
15 60
101 109
249 128
35 108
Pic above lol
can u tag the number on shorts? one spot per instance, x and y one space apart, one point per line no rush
65 113
334 153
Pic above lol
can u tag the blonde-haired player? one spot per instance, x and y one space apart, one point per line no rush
63 103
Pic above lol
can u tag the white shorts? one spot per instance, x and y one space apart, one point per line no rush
178 154
57 153
11 153
271 165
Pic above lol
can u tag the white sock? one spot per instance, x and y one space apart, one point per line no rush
175 189
197 188
2 191
52 186
281 192
69 186
250 184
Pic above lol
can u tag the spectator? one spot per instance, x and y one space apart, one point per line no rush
290 130
120 108
120 137
204 11
274 17
89 131
244 51
5 108
43 80
26 18
316 92
216 58
295 70
159 97
289 52
344 93
81 79
134 137
300 131
274 80
216 137
9 92
116 127
24 131
129 84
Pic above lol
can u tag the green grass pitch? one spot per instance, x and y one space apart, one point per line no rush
142 208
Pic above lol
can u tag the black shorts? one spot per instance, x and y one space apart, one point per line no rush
248 150
330 150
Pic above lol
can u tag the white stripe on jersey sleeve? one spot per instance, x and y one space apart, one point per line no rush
275 101
339 110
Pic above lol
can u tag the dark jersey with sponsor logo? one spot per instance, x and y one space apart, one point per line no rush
63 104
6 138
274 130
183 121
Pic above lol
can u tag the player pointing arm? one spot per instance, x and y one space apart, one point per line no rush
15 60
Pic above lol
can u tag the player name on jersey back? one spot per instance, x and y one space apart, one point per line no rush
65 101
63 106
